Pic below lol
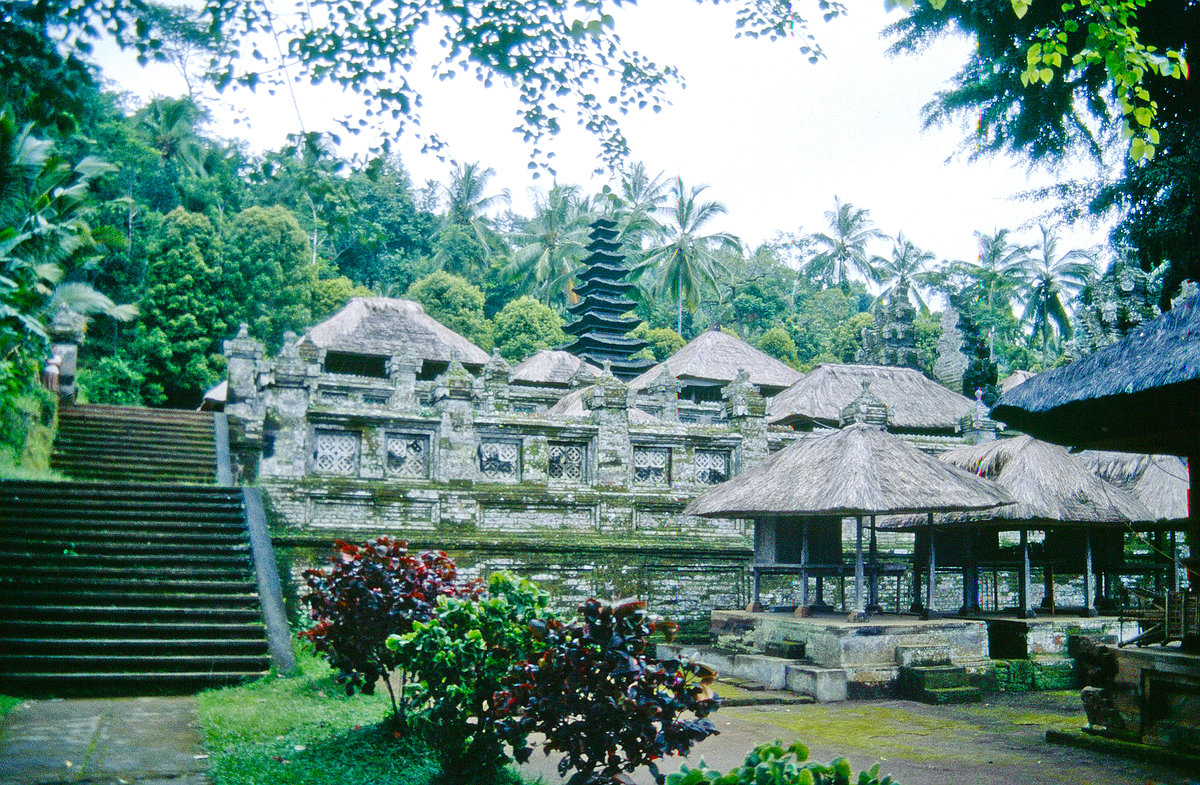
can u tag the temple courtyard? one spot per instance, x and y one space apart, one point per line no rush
1001 740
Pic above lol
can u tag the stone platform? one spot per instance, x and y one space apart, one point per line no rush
1010 637
867 655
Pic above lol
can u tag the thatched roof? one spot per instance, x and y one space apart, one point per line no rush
571 405
1051 488
858 470
1015 378
715 357
550 367
388 326
1141 394
1158 481
913 401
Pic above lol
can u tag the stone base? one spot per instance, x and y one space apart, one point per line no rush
825 685
869 653
1011 638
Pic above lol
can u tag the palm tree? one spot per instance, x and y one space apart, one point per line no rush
635 205
467 202
170 124
552 244
686 261
844 249
905 266
993 280
1047 279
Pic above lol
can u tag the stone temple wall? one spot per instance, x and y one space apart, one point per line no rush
587 504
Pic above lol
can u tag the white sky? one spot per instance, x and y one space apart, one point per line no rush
774 137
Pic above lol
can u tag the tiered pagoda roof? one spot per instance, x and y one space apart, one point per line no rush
600 325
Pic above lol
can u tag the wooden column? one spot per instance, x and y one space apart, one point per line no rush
803 608
1173 578
919 537
1023 576
970 575
860 610
1089 587
931 578
1191 637
873 580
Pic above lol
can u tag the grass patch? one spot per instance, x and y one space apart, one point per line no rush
304 730
8 703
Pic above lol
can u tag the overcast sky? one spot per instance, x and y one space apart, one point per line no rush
774 137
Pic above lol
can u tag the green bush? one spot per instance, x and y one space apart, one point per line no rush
773 764
456 661
525 326
27 424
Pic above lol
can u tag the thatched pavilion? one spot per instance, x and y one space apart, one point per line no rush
802 493
712 360
915 404
1083 517
371 332
552 368
1141 394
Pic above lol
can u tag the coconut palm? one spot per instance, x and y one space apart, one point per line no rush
905 265
1048 279
170 125
467 202
634 206
685 261
552 244
844 250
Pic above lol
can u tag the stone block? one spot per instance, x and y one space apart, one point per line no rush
826 685
790 650
1054 674
908 656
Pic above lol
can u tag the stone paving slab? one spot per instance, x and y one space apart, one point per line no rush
108 741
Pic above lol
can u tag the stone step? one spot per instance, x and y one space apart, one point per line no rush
102 412
84 547
135 646
825 685
120 663
950 695
111 630
132 584
70 569
126 533
138 491
122 683
932 677
56 559
115 598
146 613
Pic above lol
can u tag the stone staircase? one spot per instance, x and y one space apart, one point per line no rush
135 444
938 684
135 580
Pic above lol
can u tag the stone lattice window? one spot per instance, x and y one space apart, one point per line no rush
375 400
334 397
336 452
652 465
408 455
500 460
568 461
712 467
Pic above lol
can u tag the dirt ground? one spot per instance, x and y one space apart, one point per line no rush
1000 741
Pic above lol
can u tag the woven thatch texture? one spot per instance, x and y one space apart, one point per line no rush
571 405
1015 378
1051 487
913 401
550 367
1162 352
715 356
388 326
858 470
1158 481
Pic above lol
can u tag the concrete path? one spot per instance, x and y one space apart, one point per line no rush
107 741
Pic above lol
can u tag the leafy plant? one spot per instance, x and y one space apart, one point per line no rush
598 695
371 591
457 660
773 764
